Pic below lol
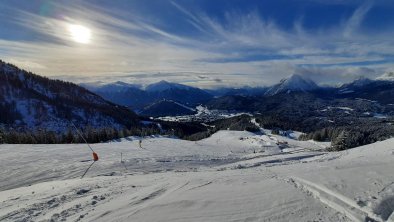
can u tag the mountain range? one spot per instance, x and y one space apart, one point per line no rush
34 102
171 95
304 99
137 97
165 98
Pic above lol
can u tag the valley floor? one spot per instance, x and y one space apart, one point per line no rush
231 176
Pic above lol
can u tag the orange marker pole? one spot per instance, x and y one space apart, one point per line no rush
95 157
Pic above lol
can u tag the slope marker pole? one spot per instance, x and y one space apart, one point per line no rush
80 134
87 169
95 156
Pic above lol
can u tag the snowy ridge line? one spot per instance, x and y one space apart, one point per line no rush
336 201
282 157
323 150
262 161
282 153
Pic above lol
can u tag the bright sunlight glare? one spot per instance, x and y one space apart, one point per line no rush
79 33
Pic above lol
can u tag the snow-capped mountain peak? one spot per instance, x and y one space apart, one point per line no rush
362 81
388 76
293 83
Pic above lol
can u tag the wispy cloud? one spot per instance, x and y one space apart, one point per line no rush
355 20
233 48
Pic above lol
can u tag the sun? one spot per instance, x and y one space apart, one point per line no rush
79 33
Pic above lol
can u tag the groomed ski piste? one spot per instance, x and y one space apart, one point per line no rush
230 176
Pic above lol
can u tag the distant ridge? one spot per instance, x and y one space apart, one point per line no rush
136 97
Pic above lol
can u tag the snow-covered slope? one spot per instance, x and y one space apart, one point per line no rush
35 102
231 176
294 83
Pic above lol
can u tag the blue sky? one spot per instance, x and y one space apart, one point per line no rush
204 43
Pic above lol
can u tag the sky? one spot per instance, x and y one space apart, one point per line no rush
203 43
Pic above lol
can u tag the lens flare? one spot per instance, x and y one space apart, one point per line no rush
80 33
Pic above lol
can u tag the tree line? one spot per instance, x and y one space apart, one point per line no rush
346 137
92 135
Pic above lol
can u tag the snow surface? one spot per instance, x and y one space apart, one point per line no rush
230 176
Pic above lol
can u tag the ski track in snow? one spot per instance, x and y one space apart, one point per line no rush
334 200
231 176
